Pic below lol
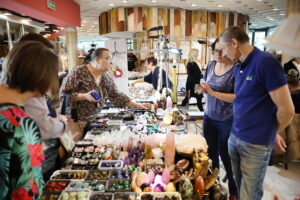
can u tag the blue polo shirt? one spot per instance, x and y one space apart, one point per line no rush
254 112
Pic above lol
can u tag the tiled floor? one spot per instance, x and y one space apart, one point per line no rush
278 181
284 183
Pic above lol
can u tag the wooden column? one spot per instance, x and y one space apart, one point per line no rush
71 45
293 6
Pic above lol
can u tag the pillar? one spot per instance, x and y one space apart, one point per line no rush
71 45
293 6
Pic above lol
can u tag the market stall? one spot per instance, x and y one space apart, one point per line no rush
136 154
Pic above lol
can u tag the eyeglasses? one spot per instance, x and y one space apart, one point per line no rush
108 58
217 51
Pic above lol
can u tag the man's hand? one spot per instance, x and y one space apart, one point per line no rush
280 143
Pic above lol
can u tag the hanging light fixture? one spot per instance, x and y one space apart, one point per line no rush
286 37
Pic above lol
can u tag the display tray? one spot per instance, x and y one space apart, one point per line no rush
160 196
101 196
83 143
99 174
84 167
125 196
121 174
69 175
110 164
93 185
75 194
50 195
56 185
119 185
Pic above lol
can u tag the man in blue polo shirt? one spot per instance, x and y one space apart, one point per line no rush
261 109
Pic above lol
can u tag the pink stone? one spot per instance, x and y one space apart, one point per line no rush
166 176
170 149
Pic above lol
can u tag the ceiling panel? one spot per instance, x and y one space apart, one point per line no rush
262 13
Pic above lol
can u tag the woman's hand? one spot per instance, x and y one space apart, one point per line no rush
198 89
90 98
207 88
144 106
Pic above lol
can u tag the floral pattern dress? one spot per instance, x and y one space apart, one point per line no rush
21 155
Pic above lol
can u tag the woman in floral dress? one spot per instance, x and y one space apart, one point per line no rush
28 70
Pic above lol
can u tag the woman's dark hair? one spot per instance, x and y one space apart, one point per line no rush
30 66
152 60
36 37
292 77
213 45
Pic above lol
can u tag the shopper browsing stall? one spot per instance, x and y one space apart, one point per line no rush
29 69
90 85
218 116
51 125
153 76
261 109
194 76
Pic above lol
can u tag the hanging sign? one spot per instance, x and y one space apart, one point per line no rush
51 5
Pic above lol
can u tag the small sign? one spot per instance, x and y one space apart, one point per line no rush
51 5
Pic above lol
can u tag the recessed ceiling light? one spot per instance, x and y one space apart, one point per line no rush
219 5
25 20
84 22
258 0
153 1
271 19
92 26
282 14
111 4
3 16
193 5
275 9
124 1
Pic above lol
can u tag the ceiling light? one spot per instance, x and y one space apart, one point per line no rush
193 5
271 19
3 16
124 1
219 5
275 9
282 14
258 0
111 4
84 22
92 26
25 21
153 1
